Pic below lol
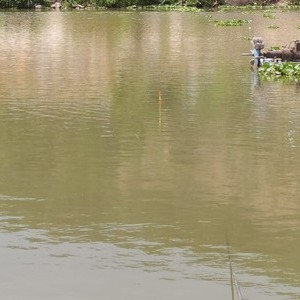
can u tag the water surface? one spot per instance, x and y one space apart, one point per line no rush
135 147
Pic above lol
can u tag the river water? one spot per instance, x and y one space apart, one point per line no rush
138 149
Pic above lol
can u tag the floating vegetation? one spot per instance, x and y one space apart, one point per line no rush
179 8
242 7
232 22
260 6
284 69
269 15
273 48
273 27
298 27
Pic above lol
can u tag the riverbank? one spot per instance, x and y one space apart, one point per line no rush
181 6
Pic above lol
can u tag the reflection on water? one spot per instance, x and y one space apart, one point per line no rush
129 152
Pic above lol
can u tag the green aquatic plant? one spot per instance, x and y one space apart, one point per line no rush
285 69
273 48
178 8
273 27
268 15
247 8
232 22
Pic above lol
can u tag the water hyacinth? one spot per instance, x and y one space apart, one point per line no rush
179 8
285 69
269 15
232 22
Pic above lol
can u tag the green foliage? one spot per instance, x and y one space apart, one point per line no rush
210 3
232 22
294 2
273 27
21 3
285 69
113 3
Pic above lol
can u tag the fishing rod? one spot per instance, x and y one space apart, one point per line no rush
234 284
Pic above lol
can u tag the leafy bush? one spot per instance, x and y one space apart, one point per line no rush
22 3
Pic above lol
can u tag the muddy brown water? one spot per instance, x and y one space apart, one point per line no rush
135 146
